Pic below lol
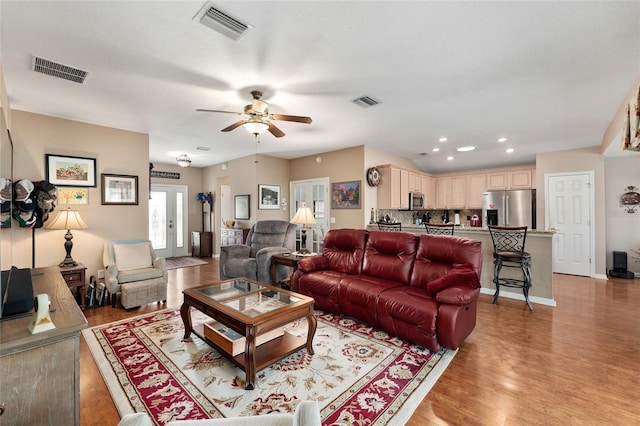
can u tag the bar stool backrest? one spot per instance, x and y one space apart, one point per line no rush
386 226
439 228
508 240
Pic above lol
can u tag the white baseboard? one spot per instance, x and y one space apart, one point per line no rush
519 296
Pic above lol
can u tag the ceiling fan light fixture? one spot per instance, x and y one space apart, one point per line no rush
183 160
256 127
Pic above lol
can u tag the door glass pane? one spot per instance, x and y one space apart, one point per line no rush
179 221
158 220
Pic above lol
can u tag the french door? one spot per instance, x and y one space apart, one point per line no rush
168 220
313 193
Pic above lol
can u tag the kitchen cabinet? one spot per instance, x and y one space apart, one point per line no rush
415 183
393 190
511 179
430 192
443 188
520 179
458 194
476 185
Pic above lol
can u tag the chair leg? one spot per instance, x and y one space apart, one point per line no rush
113 300
497 266
526 284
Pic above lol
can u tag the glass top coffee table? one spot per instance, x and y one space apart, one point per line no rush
249 312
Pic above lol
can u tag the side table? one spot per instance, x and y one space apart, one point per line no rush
75 276
290 260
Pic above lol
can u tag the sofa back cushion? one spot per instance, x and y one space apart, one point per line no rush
344 248
390 255
438 254
271 233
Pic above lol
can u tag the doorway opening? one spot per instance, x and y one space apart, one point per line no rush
168 220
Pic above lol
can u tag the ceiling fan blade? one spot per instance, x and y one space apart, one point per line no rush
275 131
234 126
217 110
296 118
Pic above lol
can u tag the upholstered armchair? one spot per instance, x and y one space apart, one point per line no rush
133 269
253 259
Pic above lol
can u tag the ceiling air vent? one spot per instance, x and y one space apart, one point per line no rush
222 22
365 101
54 69
203 148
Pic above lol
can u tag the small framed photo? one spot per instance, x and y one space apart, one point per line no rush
345 195
73 196
119 189
242 207
269 197
64 170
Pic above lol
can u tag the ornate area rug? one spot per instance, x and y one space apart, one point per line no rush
183 262
358 375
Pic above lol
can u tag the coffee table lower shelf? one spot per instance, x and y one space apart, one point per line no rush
265 354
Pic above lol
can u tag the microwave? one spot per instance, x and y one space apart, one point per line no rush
416 201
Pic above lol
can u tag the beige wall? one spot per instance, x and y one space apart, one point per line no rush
581 160
116 151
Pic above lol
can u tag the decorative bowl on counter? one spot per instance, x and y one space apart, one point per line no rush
229 223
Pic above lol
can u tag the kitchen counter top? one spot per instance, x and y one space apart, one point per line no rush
463 228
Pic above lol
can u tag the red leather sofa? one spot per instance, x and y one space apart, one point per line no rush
423 289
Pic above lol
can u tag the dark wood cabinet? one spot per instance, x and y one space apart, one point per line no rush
202 244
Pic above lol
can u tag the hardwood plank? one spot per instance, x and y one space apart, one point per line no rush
576 363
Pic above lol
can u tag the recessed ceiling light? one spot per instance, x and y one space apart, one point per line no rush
465 148
509 150
450 158
442 139
502 139
436 149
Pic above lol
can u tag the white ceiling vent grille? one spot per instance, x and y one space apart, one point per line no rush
365 101
203 148
55 69
222 22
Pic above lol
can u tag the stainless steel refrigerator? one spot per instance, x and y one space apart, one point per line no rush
515 207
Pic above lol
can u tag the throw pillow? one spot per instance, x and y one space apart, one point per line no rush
462 275
132 256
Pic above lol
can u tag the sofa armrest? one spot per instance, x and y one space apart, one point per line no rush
160 263
313 263
263 262
458 295
239 250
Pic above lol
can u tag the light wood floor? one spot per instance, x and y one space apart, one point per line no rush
574 364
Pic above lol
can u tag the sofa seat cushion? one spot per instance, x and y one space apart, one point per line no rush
358 295
323 287
242 267
411 314
139 275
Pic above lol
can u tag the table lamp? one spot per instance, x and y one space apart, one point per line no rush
67 219
304 217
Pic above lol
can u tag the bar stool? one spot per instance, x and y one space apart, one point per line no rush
508 252
390 226
439 228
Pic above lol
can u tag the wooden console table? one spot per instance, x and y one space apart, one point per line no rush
75 276
41 372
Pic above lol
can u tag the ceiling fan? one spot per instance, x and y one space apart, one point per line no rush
259 118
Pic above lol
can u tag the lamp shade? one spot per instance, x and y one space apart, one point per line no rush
67 219
304 216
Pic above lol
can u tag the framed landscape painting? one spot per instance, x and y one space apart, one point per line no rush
269 196
64 170
345 195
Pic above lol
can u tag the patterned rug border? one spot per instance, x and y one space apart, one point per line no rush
183 262
441 360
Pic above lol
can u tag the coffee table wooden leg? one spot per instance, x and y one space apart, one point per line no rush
313 323
185 313
249 360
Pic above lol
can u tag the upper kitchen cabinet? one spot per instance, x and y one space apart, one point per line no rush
393 190
476 185
510 179
458 198
443 188
429 191
415 183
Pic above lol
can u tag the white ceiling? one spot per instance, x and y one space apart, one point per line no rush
546 75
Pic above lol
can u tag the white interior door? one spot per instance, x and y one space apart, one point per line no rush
569 210
168 220
313 193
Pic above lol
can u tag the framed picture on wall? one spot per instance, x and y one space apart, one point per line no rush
242 207
269 197
73 196
64 170
119 189
345 195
